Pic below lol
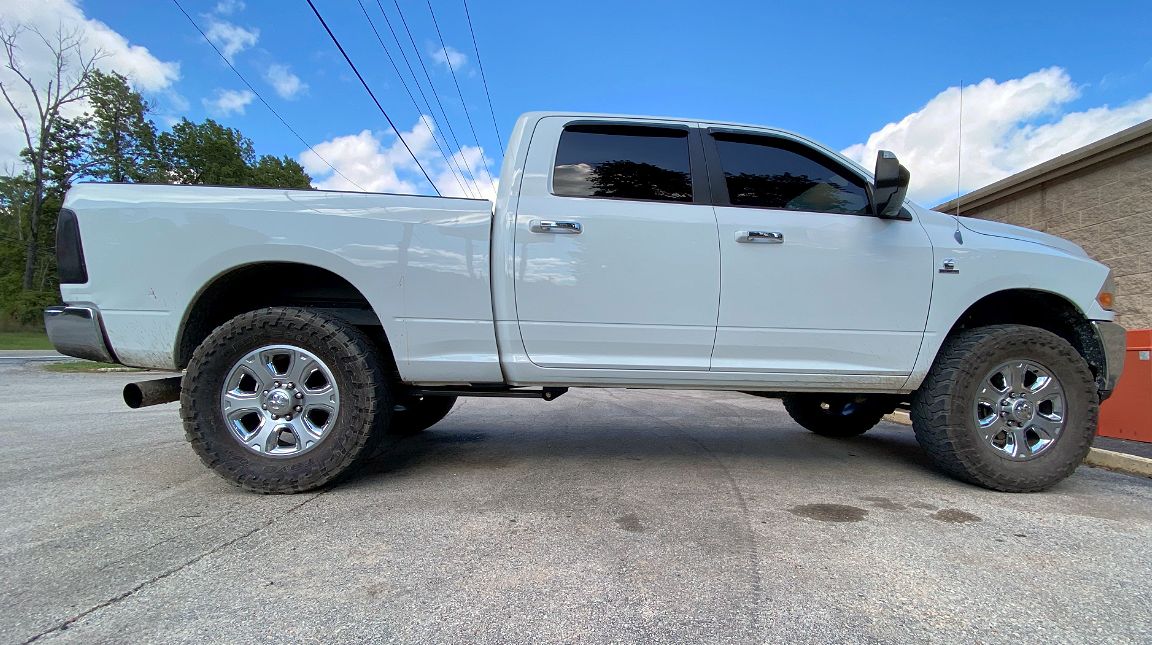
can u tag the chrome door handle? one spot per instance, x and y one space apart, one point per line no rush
760 237
552 226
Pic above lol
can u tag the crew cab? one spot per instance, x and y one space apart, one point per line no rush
621 251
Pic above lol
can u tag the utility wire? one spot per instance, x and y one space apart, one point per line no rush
484 79
266 104
400 136
457 173
428 76
467 114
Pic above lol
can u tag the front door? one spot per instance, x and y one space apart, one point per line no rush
616 254
812 282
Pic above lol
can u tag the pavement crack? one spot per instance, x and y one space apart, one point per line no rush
63 626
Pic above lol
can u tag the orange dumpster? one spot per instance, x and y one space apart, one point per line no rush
1127 414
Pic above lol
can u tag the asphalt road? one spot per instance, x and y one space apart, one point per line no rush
605 516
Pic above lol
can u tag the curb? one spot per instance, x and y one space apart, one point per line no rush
899 416
1097 457
1119 462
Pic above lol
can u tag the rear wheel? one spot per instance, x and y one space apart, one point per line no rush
835 415
1008 407
284 400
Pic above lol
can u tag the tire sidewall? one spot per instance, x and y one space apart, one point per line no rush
1081 408
364 402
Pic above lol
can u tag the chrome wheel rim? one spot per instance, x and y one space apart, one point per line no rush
1020 409
280 401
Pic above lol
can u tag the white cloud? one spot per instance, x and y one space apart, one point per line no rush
1008 126
231 38
286 84
226 102
144 70
228 7
443 56
366 159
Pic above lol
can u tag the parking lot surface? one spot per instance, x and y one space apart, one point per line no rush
604 516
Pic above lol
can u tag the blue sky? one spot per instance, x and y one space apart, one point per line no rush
837 72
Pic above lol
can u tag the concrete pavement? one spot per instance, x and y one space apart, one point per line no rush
605 516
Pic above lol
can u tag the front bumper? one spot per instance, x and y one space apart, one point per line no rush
1114 342
77 331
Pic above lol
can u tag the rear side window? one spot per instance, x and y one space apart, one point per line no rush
623 162
776 173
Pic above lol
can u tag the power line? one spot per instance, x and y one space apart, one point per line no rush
484 79
457 174
392 125
467 114
428 76
266 104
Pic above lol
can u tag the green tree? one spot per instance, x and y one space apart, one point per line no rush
278 172
206 153
122 146
66 82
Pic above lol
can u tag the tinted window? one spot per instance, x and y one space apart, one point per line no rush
626 162
774 173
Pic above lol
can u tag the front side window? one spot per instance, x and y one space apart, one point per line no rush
775 173
623 162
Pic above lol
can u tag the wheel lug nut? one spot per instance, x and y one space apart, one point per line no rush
291 386
287 417
299 395
265 406
275 417
276 384
265 392
299 408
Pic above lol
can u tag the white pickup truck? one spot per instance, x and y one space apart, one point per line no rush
620 252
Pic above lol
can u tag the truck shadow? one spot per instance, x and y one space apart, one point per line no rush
458 444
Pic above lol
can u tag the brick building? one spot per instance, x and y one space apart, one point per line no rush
1098 196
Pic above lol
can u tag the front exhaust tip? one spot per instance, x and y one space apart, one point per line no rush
145 393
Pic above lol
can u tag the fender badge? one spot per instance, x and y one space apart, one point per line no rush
948 266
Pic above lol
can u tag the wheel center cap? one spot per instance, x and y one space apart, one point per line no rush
1022 411
279 401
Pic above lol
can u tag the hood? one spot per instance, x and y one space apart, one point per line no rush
998 229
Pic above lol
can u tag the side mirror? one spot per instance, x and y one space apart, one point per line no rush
891 185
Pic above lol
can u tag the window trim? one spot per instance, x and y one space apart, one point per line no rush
719 184
697 177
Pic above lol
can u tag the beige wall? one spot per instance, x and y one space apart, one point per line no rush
1107 209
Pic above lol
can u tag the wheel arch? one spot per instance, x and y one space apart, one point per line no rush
1038 308
280 283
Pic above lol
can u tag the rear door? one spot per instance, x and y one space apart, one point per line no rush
812 282
616 251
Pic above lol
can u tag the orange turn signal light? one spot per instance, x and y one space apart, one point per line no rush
1105 299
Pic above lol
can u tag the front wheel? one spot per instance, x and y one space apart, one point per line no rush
1007 407
415 414
284 400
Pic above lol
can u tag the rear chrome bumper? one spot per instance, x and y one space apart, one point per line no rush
1114 341
77 331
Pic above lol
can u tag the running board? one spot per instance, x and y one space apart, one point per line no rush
547 393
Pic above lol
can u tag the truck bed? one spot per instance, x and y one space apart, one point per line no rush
422 263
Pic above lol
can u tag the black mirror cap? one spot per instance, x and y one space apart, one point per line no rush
891 185
70 266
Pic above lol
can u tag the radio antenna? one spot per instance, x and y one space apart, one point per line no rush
959 144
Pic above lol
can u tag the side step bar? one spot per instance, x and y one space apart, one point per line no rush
547 393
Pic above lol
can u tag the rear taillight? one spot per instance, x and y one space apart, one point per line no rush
69 251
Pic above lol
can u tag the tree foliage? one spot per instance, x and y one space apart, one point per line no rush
114 140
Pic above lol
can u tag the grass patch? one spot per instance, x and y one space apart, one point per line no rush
86 366
24 340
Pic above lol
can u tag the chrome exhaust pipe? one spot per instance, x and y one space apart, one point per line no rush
146 393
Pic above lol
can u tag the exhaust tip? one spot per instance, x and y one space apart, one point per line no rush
133 396
145 393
